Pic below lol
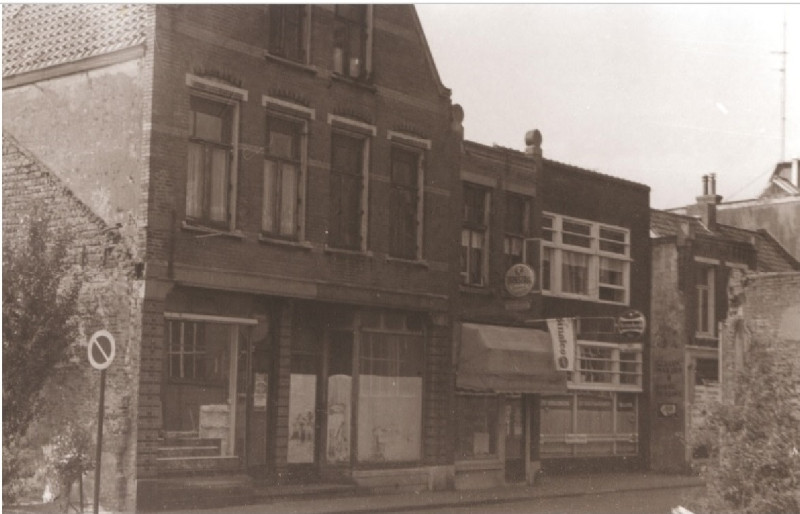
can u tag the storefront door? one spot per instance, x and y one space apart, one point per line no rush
515 425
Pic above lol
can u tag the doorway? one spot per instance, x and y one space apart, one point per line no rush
515 438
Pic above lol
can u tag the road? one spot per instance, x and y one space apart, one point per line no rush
660 501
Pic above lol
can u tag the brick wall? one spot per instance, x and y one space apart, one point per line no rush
109 299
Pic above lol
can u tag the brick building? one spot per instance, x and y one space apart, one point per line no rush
516 412
693 258
286 175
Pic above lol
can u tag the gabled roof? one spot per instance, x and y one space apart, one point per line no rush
37 36
771 255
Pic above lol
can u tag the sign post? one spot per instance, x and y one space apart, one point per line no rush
102 349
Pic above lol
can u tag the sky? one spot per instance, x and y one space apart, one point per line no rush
660 94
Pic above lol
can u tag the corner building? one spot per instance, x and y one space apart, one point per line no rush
286 173
302 159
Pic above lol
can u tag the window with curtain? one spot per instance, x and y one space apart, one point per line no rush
585 259
209 161
282 171
517 211
475 222
350 40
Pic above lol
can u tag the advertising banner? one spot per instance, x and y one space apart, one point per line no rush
562 333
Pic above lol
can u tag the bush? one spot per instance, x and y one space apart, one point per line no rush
754 466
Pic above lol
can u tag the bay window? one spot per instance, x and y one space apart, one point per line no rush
585 259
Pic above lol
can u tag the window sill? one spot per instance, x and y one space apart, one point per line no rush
294 64
361 83
300 245
205 232
467 288
581 298
410 262
604 386
345 251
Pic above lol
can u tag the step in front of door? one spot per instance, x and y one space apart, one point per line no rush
184 465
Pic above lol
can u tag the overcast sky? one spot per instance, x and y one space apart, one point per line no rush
659 94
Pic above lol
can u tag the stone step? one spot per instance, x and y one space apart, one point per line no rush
189 451
194 492
196 465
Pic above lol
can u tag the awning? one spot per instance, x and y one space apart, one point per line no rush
507 360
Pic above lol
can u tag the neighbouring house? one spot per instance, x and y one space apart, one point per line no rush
693 258
518 410
286 174
110 299
776 210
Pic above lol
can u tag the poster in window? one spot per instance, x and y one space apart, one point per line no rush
302 397
260 391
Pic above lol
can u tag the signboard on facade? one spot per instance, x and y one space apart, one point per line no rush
631 324
562 333
520 279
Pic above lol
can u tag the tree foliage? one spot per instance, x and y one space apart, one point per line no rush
755 441
40 304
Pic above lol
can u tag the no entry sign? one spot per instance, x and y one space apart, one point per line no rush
102 349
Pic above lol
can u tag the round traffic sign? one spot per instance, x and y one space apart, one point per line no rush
102 349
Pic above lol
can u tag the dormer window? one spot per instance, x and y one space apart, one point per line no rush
351 36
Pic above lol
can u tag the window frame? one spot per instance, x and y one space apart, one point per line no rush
363 132
554 249
214 91
340 65
708 288
471 228
304 32
301 116
615 369
509 235
420 147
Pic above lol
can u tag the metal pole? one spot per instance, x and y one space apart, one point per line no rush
99 452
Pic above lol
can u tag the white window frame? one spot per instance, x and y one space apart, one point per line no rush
577 379
465 279
344 71
302 115
215 91
365 132
419 146
556 247
707 288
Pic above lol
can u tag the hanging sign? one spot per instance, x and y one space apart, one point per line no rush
562 333
102 349
520 279
631 324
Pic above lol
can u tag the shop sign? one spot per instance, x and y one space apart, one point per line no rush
520 279
631 324
562 333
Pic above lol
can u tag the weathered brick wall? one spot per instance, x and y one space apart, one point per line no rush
764 306
110 299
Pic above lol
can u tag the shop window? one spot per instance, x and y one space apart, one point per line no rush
474 232
283 174
288 31
351 40
706 320
477 426
516 228
589 424
390 394
405 203
584 259
210 172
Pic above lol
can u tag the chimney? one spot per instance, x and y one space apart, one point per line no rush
533 146
707 203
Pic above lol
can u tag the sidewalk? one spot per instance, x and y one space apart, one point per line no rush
546 487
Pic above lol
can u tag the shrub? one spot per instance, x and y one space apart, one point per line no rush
755 441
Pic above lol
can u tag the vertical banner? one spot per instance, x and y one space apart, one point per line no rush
562 333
